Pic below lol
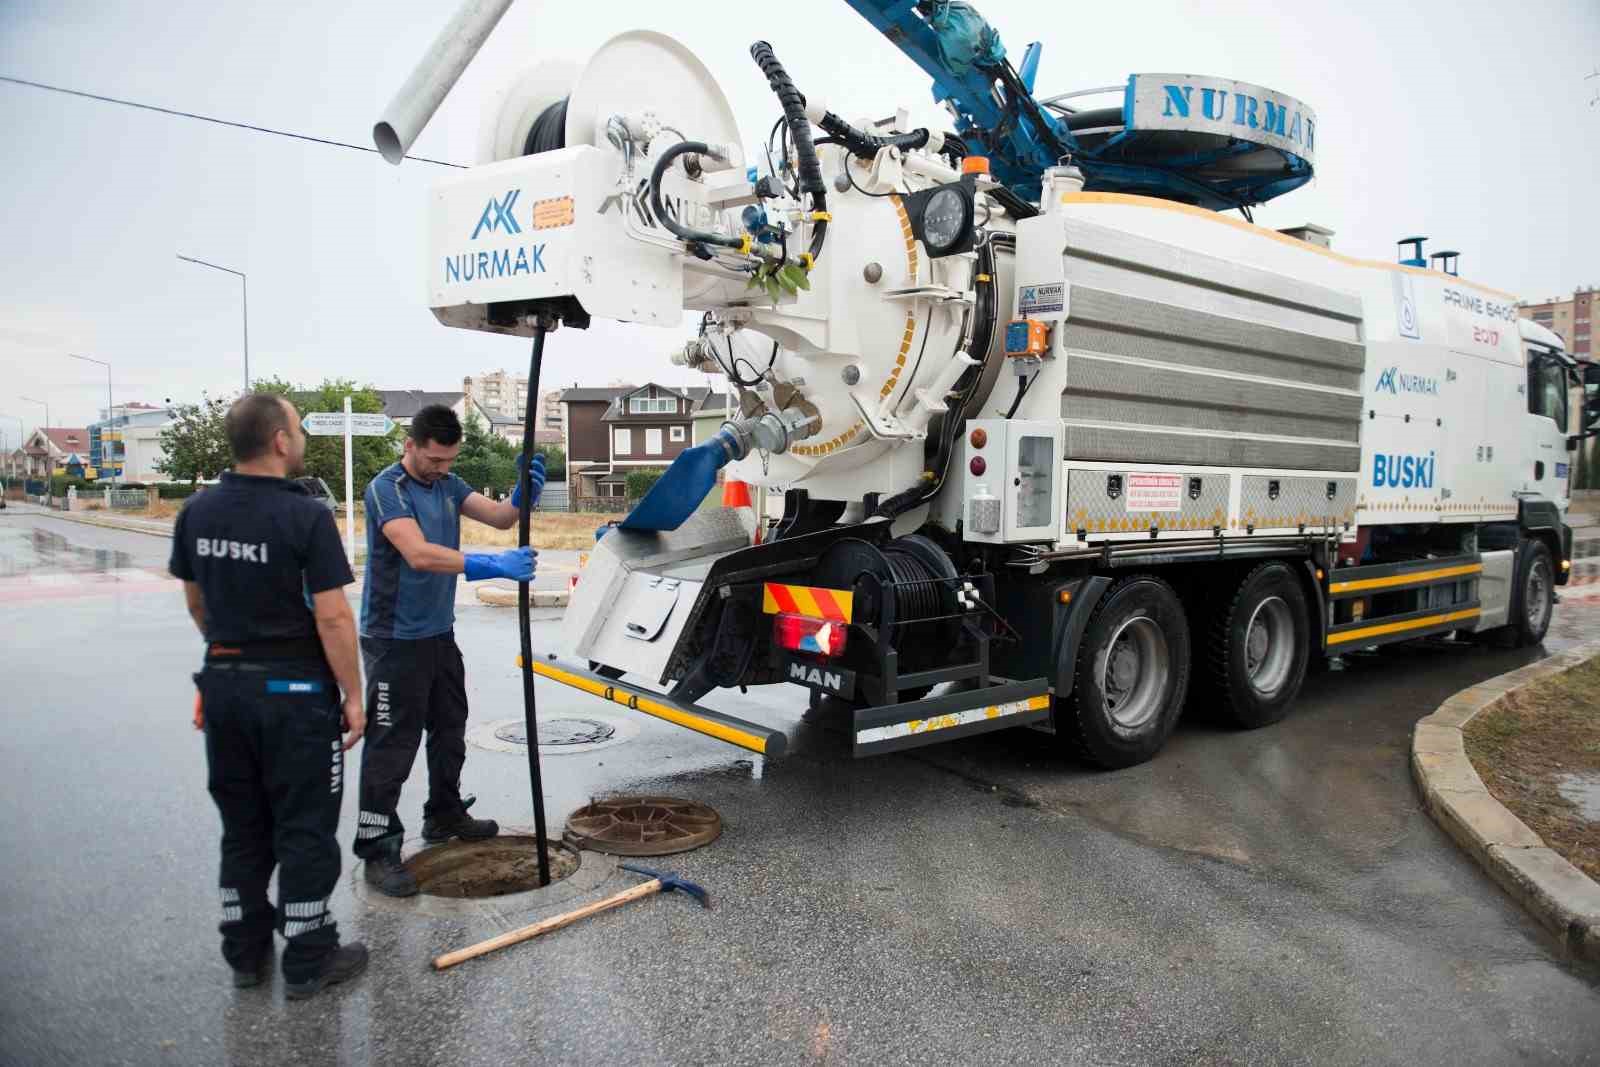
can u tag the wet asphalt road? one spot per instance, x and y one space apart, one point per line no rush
1277 896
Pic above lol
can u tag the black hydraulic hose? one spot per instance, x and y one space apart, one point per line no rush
794 114
704 237
867 145
530 712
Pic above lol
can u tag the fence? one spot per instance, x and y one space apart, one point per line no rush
554 498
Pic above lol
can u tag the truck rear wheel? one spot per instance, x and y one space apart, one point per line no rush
1259 647
1533 600
1131 675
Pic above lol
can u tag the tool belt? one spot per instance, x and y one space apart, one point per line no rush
246 651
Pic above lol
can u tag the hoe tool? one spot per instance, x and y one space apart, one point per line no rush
659 882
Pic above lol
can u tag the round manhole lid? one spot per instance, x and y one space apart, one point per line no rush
493 867
643 826
559 732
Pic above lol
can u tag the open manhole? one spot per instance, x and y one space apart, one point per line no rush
559 732
490 868
643 826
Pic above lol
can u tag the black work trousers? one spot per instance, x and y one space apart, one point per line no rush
412 686
276 771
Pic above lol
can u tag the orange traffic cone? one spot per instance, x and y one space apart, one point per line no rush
736 494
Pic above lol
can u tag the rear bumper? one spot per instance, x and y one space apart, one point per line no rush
931 720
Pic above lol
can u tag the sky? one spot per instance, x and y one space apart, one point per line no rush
1467 121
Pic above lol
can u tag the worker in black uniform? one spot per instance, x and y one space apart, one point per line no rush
264 576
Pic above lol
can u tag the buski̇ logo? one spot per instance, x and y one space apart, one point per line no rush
497 215
1393 382
1402 472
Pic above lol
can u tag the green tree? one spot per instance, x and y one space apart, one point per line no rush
488 462
195 446
555 462
325 455
639 482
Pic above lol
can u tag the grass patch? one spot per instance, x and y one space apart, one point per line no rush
1525 746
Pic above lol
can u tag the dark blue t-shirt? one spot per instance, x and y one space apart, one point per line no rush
259 548
399 601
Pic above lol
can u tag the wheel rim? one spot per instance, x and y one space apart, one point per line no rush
1134 672
1269 645
1537 598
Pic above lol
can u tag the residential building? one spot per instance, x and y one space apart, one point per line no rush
587 439
710 412
109 442
609 431
550 411
1571 317
52 450
402 405
498 393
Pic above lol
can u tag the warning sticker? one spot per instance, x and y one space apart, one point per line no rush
549 214
1039 299
1155 492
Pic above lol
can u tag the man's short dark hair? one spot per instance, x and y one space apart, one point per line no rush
436 423
251 424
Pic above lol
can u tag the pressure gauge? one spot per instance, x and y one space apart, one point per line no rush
942 218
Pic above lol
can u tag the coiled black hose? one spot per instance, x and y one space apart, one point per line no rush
794 114
549 130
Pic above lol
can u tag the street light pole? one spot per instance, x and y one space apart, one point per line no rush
22 435
111 415
245 290
49 467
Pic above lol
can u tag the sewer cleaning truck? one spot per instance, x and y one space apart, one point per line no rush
1063 439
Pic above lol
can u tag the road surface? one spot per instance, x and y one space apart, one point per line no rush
1273 897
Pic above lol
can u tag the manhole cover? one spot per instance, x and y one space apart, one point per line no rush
490 868
643 826
559 732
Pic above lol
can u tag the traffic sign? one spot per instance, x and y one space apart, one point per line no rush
331 424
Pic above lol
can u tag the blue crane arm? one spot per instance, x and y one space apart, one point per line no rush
964 57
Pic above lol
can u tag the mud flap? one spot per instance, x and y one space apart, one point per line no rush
915 723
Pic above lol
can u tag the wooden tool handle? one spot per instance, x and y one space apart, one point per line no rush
544 926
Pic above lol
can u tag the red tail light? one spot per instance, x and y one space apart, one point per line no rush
801 633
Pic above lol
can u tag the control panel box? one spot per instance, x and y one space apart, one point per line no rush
1011 474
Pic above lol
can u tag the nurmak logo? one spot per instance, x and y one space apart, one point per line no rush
497 215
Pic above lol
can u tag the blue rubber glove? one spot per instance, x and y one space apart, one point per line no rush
518 564
535 480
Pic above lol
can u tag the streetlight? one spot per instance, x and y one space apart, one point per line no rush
21 439
49 467
245 289
111 416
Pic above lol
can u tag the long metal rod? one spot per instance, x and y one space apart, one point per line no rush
530 713
434 76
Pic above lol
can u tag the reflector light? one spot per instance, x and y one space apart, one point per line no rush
801 633
978 466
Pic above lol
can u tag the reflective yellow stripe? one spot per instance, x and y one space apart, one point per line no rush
640 702
1405 579
1398 627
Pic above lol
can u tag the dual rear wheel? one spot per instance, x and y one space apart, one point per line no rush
1133 670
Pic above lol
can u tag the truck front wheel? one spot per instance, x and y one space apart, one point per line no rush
1131 675
1533 601
1259 647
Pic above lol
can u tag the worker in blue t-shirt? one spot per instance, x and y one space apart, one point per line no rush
415 679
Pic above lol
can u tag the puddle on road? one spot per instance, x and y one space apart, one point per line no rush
25 551
1584 791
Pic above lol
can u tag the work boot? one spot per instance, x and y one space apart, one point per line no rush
437 828
253 974
342 963
389 875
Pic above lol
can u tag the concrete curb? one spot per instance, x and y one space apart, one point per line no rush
82 519
507 598
1561 897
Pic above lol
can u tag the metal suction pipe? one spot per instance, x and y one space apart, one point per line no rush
768 433
435 75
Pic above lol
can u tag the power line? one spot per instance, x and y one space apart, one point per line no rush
217 121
